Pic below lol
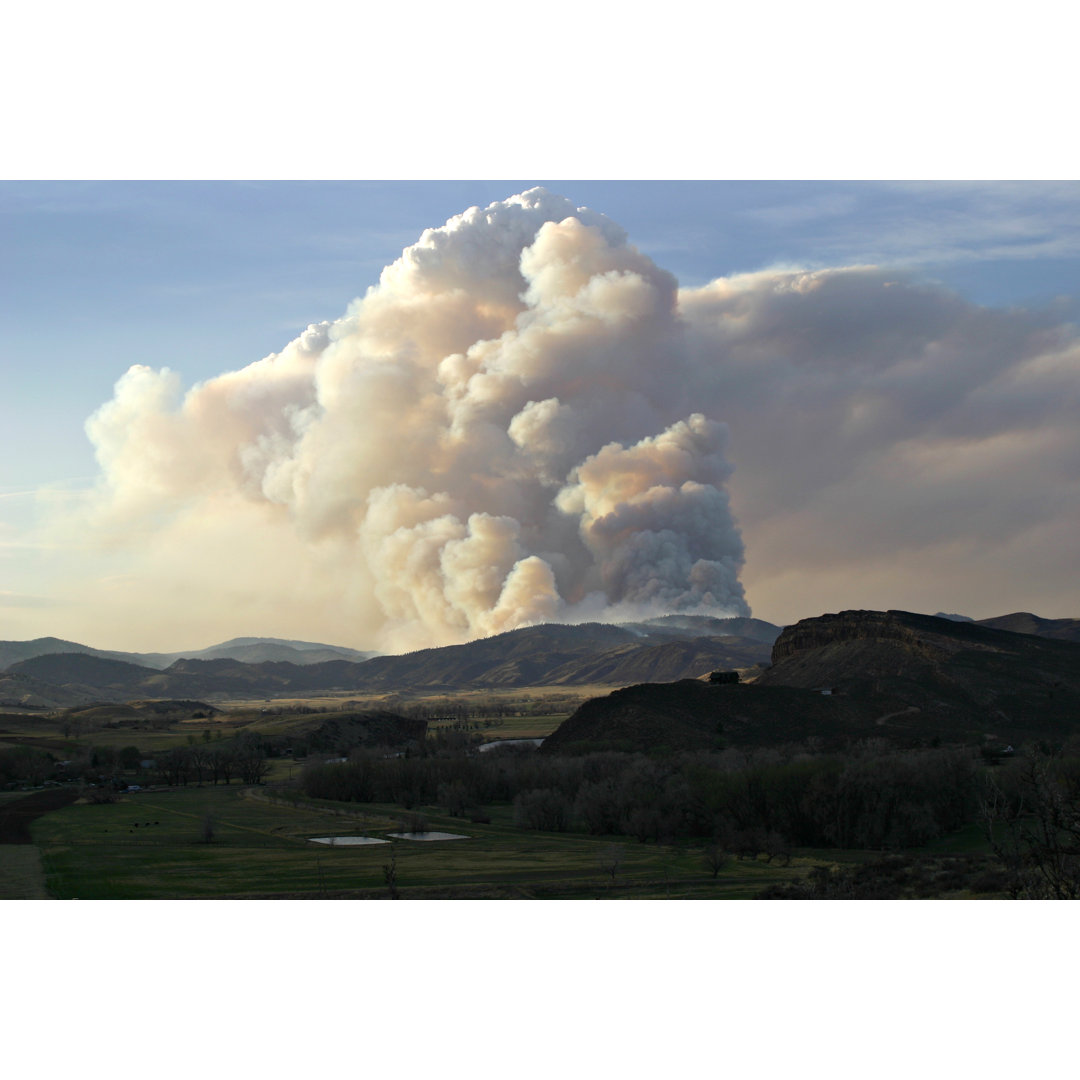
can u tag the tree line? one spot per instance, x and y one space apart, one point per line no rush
875 796
243 758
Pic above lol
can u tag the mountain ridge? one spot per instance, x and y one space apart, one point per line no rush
547 654
839 678
250 649
880 645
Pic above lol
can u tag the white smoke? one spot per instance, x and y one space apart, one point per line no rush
502 431
526 419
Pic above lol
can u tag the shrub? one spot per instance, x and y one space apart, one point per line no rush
543 809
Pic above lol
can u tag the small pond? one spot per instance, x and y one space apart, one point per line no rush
347 841
510 742
427 836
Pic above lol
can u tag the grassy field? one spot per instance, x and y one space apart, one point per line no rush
531 713
21 874
149 846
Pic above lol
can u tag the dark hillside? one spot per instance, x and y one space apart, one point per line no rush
341 732
81 670
673 716
23 692
12 652
958 680
914 679
692 715
706 626
674 660
696 715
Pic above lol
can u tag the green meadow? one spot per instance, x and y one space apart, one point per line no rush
207 841
151 846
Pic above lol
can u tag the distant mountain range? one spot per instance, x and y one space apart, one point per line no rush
862 674
53 673
249 650
1023 622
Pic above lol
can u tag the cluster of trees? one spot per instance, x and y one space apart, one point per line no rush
109 758
28 765
25 765
244 757
875 797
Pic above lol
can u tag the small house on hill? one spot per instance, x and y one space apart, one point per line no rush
721 677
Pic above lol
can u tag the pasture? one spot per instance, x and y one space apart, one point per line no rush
206 841
152 846
506 714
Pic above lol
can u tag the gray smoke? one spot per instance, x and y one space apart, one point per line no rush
526 419
503 430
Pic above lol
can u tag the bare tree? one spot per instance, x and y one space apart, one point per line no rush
1032 823
174 766
390 873
715 858
250 757
611 859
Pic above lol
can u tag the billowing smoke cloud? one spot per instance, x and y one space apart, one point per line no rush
501 431
526 419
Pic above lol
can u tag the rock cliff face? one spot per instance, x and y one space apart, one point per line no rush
825 630
871 643
952 678
897 675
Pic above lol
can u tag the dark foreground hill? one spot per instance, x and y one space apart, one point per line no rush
696 715
858 674
342 732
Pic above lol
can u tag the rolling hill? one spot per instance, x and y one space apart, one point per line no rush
894 674
854 675
247 650
549 654
1023 622
935 676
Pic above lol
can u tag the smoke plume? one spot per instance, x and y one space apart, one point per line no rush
526 419
503 430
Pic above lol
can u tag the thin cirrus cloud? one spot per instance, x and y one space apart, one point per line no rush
927 224
527 419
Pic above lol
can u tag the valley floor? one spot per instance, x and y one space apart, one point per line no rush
153 845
